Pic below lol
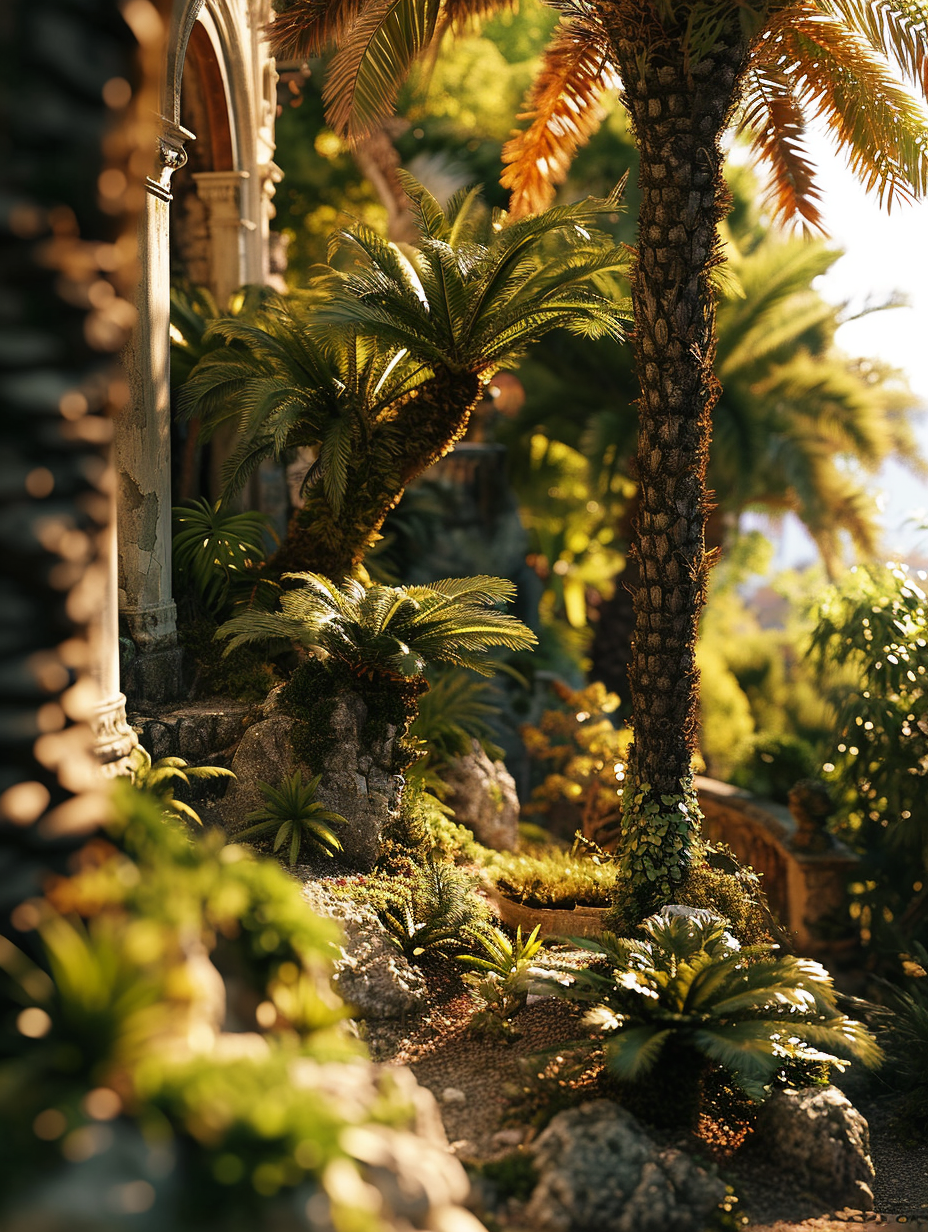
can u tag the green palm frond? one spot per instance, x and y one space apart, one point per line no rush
214 547
157 779
394 630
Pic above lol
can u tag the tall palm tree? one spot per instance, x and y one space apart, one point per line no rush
684 68
380 367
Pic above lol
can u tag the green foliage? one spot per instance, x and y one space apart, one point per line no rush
438 911
875 625
908 1036
656 845
159 778
500 977
293 811
245 674
394 631
454 711
119 1021
688 987
719 883
217 554
554 878
587 756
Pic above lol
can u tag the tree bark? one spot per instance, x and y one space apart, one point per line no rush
679 106
423 430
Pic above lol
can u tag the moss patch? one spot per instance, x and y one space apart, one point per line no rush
244 674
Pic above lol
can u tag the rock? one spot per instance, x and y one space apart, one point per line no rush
368 800
483 796
265 755
372 975
370 797
821 1138
598 1168
452 1095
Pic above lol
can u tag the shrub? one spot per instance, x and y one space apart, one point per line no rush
439 910
586 755
158 779
688 996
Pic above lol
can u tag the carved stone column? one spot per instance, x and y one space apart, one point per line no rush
143 450
220 192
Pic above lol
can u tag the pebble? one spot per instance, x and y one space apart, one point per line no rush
508 1137
452 1095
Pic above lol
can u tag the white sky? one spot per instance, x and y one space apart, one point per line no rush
885 252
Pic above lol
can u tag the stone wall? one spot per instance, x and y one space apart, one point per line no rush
805 889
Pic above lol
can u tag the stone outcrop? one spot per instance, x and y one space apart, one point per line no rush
598 1168
820 1137
371 976
483 796
357 779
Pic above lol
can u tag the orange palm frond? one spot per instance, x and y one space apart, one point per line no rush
877 123
774 118
306 27
565 110
461 12
898 29
373 59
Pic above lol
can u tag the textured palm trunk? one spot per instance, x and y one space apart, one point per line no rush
424 429
679 109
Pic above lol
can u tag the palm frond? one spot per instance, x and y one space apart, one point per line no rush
365 73
775 120
306 27
564 109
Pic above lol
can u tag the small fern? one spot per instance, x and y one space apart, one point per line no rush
158 779
293 811
438 911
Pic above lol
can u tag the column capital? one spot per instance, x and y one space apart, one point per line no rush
220 192
170 157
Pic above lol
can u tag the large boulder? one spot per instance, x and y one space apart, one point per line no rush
371 976
483 796
821 1138
598 1168
357 778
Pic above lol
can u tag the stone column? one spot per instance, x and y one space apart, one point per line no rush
220 192
113 738
143 450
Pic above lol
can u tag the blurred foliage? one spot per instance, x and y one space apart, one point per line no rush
584 754
874 625
180 999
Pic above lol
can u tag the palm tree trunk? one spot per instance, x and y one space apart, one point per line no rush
424 429
679 108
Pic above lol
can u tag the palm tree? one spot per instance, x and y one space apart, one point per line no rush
684 67
380 367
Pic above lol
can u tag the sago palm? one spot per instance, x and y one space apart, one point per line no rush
380 367
684 66
687 990
390 631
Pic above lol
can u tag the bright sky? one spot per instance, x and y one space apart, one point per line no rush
884 253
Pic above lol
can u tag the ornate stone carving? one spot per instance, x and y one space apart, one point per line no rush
171 156
113 738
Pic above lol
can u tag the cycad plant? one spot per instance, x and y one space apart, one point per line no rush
292 813
390 631
159 779
379 368
688 996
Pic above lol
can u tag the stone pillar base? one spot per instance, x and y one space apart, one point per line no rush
151 674
113 738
